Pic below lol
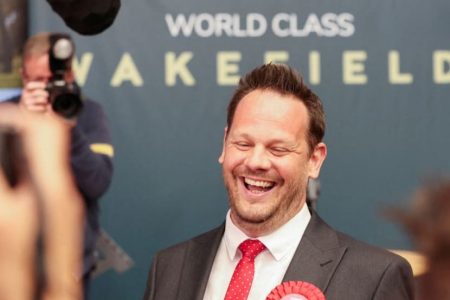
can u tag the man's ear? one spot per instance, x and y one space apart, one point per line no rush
316 159
222 155
22 75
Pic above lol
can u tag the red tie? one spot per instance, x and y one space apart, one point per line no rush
242 278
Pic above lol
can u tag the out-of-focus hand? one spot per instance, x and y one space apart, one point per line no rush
18 235
50 189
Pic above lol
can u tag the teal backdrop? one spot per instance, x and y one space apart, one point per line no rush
164 73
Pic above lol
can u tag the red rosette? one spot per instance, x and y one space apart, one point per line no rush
296 290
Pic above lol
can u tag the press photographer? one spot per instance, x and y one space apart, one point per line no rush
47 76
49 90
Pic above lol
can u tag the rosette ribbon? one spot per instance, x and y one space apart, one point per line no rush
296 290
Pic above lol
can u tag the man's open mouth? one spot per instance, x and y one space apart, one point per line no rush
258 186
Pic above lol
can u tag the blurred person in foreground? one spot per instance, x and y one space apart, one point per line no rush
271 242
44 202
428 223
87 17
90 142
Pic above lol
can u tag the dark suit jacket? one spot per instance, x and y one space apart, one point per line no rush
343 268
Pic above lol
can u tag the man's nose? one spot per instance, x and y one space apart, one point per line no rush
258 159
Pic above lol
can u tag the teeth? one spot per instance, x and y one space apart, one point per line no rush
258 183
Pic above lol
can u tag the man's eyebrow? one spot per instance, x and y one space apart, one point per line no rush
240 135
272 142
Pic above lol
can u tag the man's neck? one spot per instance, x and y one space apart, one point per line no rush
255 230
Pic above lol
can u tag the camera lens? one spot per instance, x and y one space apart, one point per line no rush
67 104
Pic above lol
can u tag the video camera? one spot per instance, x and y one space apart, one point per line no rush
65 97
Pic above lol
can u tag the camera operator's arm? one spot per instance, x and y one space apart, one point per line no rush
92 151
34 97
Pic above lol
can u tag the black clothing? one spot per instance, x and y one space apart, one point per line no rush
87 17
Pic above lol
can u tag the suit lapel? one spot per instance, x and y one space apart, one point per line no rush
317 255
197 264
315 260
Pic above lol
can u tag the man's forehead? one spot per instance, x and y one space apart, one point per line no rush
36 67
270 104
36 58
269 110
37 62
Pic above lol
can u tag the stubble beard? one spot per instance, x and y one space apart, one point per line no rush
257 221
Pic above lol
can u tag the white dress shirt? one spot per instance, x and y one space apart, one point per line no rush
270 265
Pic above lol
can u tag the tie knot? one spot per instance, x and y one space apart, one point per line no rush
251 248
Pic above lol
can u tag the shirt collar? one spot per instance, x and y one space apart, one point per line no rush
279 242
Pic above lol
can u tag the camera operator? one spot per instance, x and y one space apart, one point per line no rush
91 150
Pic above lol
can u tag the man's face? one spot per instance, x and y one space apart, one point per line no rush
37 68
266 161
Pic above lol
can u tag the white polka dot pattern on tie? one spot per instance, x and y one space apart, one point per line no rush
242 278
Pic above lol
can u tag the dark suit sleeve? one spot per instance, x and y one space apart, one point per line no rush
151 284
165 273
396 282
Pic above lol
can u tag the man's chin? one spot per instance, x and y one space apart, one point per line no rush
250 217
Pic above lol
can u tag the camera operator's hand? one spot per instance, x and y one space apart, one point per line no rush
35 97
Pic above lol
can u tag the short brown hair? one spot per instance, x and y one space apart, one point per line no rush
286 81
